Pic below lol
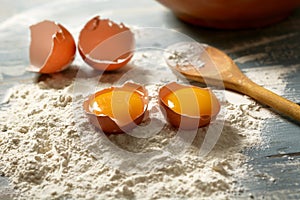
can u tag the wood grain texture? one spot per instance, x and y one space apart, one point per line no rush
222 70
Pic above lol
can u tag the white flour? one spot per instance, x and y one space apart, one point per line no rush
43 155
48 149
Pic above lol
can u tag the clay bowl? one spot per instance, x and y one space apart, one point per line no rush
231 14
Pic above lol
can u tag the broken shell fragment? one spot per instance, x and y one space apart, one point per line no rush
105 45
52 47
188 107
117 109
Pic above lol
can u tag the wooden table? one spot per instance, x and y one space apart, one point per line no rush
272 49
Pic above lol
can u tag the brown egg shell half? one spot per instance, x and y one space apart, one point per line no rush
52 47
109 125
106 45
183 121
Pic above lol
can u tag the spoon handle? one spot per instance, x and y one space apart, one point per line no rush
269 98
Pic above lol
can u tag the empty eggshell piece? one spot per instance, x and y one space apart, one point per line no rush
188 107
117 109
106 45
52 47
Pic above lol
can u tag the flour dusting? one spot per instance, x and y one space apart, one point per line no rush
49 150
44 157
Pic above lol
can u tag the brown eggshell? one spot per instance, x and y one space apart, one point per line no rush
52 47
105 45
108 124
183 121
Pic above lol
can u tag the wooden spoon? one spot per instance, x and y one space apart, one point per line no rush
218 69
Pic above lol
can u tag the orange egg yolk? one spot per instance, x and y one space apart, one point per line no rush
191 101
124 106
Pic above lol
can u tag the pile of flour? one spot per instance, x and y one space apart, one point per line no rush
48 149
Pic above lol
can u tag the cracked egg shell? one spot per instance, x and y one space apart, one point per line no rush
52 47
188 107
117 109
106 45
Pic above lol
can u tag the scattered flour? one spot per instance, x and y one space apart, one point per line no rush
49 150
185 54
44 154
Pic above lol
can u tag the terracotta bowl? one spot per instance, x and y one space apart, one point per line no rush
231 14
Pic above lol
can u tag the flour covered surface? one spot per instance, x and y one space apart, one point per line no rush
48 148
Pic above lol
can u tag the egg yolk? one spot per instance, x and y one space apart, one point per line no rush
124 106
191 101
